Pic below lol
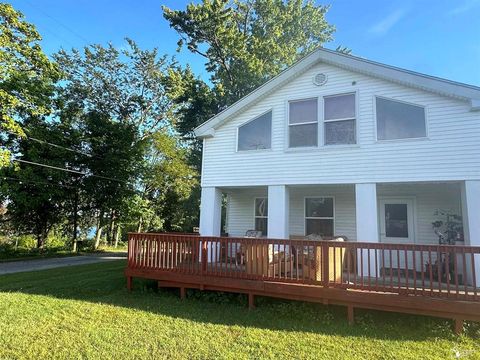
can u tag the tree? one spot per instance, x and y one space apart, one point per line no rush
39 197
113 167
120 101
128 85
171 179
246 43
26 75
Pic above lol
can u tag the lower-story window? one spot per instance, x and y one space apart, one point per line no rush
261 215
319 216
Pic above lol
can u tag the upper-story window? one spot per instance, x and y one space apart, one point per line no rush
399 120
256 134
303 123
339 119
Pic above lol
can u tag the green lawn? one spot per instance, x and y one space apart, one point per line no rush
86 312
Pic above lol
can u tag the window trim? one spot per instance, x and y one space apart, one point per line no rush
317 98
320 121
425 111
255 217
237 130
305 217
356 107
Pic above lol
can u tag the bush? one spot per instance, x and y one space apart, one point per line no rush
20 246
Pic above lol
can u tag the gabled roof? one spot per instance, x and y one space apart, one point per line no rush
349 62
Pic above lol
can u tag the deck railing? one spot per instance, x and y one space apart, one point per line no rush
407 269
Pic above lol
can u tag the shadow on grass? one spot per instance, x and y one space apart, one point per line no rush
105 283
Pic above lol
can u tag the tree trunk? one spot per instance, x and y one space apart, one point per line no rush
111 228
41 238
117 236
40 242
140 223
98 234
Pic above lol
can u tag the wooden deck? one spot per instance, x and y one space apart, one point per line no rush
436 280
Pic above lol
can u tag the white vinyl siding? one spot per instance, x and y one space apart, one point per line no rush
344 208
428 198
451 151
240 210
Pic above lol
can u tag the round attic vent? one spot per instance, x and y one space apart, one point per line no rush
320 79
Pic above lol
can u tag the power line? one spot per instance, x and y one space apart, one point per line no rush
54 145
67 170
57 21
58 146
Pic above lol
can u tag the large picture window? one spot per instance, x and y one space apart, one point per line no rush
339 119
319 216
399 120
261 215
256 134
303 123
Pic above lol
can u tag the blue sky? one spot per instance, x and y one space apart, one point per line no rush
436 37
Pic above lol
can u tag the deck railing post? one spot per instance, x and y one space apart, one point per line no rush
325 261
204 256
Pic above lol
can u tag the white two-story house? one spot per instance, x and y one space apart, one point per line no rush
340 145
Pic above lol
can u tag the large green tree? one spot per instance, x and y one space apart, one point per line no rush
40 197
114 166
127 85
127 93
26 75
246 42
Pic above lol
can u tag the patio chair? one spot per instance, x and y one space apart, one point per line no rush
240 256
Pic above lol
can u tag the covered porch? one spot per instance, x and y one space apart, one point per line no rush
383 213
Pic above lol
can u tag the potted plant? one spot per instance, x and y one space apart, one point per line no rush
449 230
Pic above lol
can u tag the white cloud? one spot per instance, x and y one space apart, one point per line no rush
383 26
464 7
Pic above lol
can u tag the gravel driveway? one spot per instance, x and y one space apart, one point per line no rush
42 264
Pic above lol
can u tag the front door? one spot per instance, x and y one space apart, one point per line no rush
397 227
396 220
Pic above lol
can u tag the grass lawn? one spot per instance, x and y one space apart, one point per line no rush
86 312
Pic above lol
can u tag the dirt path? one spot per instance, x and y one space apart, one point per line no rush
42 264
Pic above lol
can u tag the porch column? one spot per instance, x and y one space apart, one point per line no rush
278 206
366 224
471 223
210 211
210 216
